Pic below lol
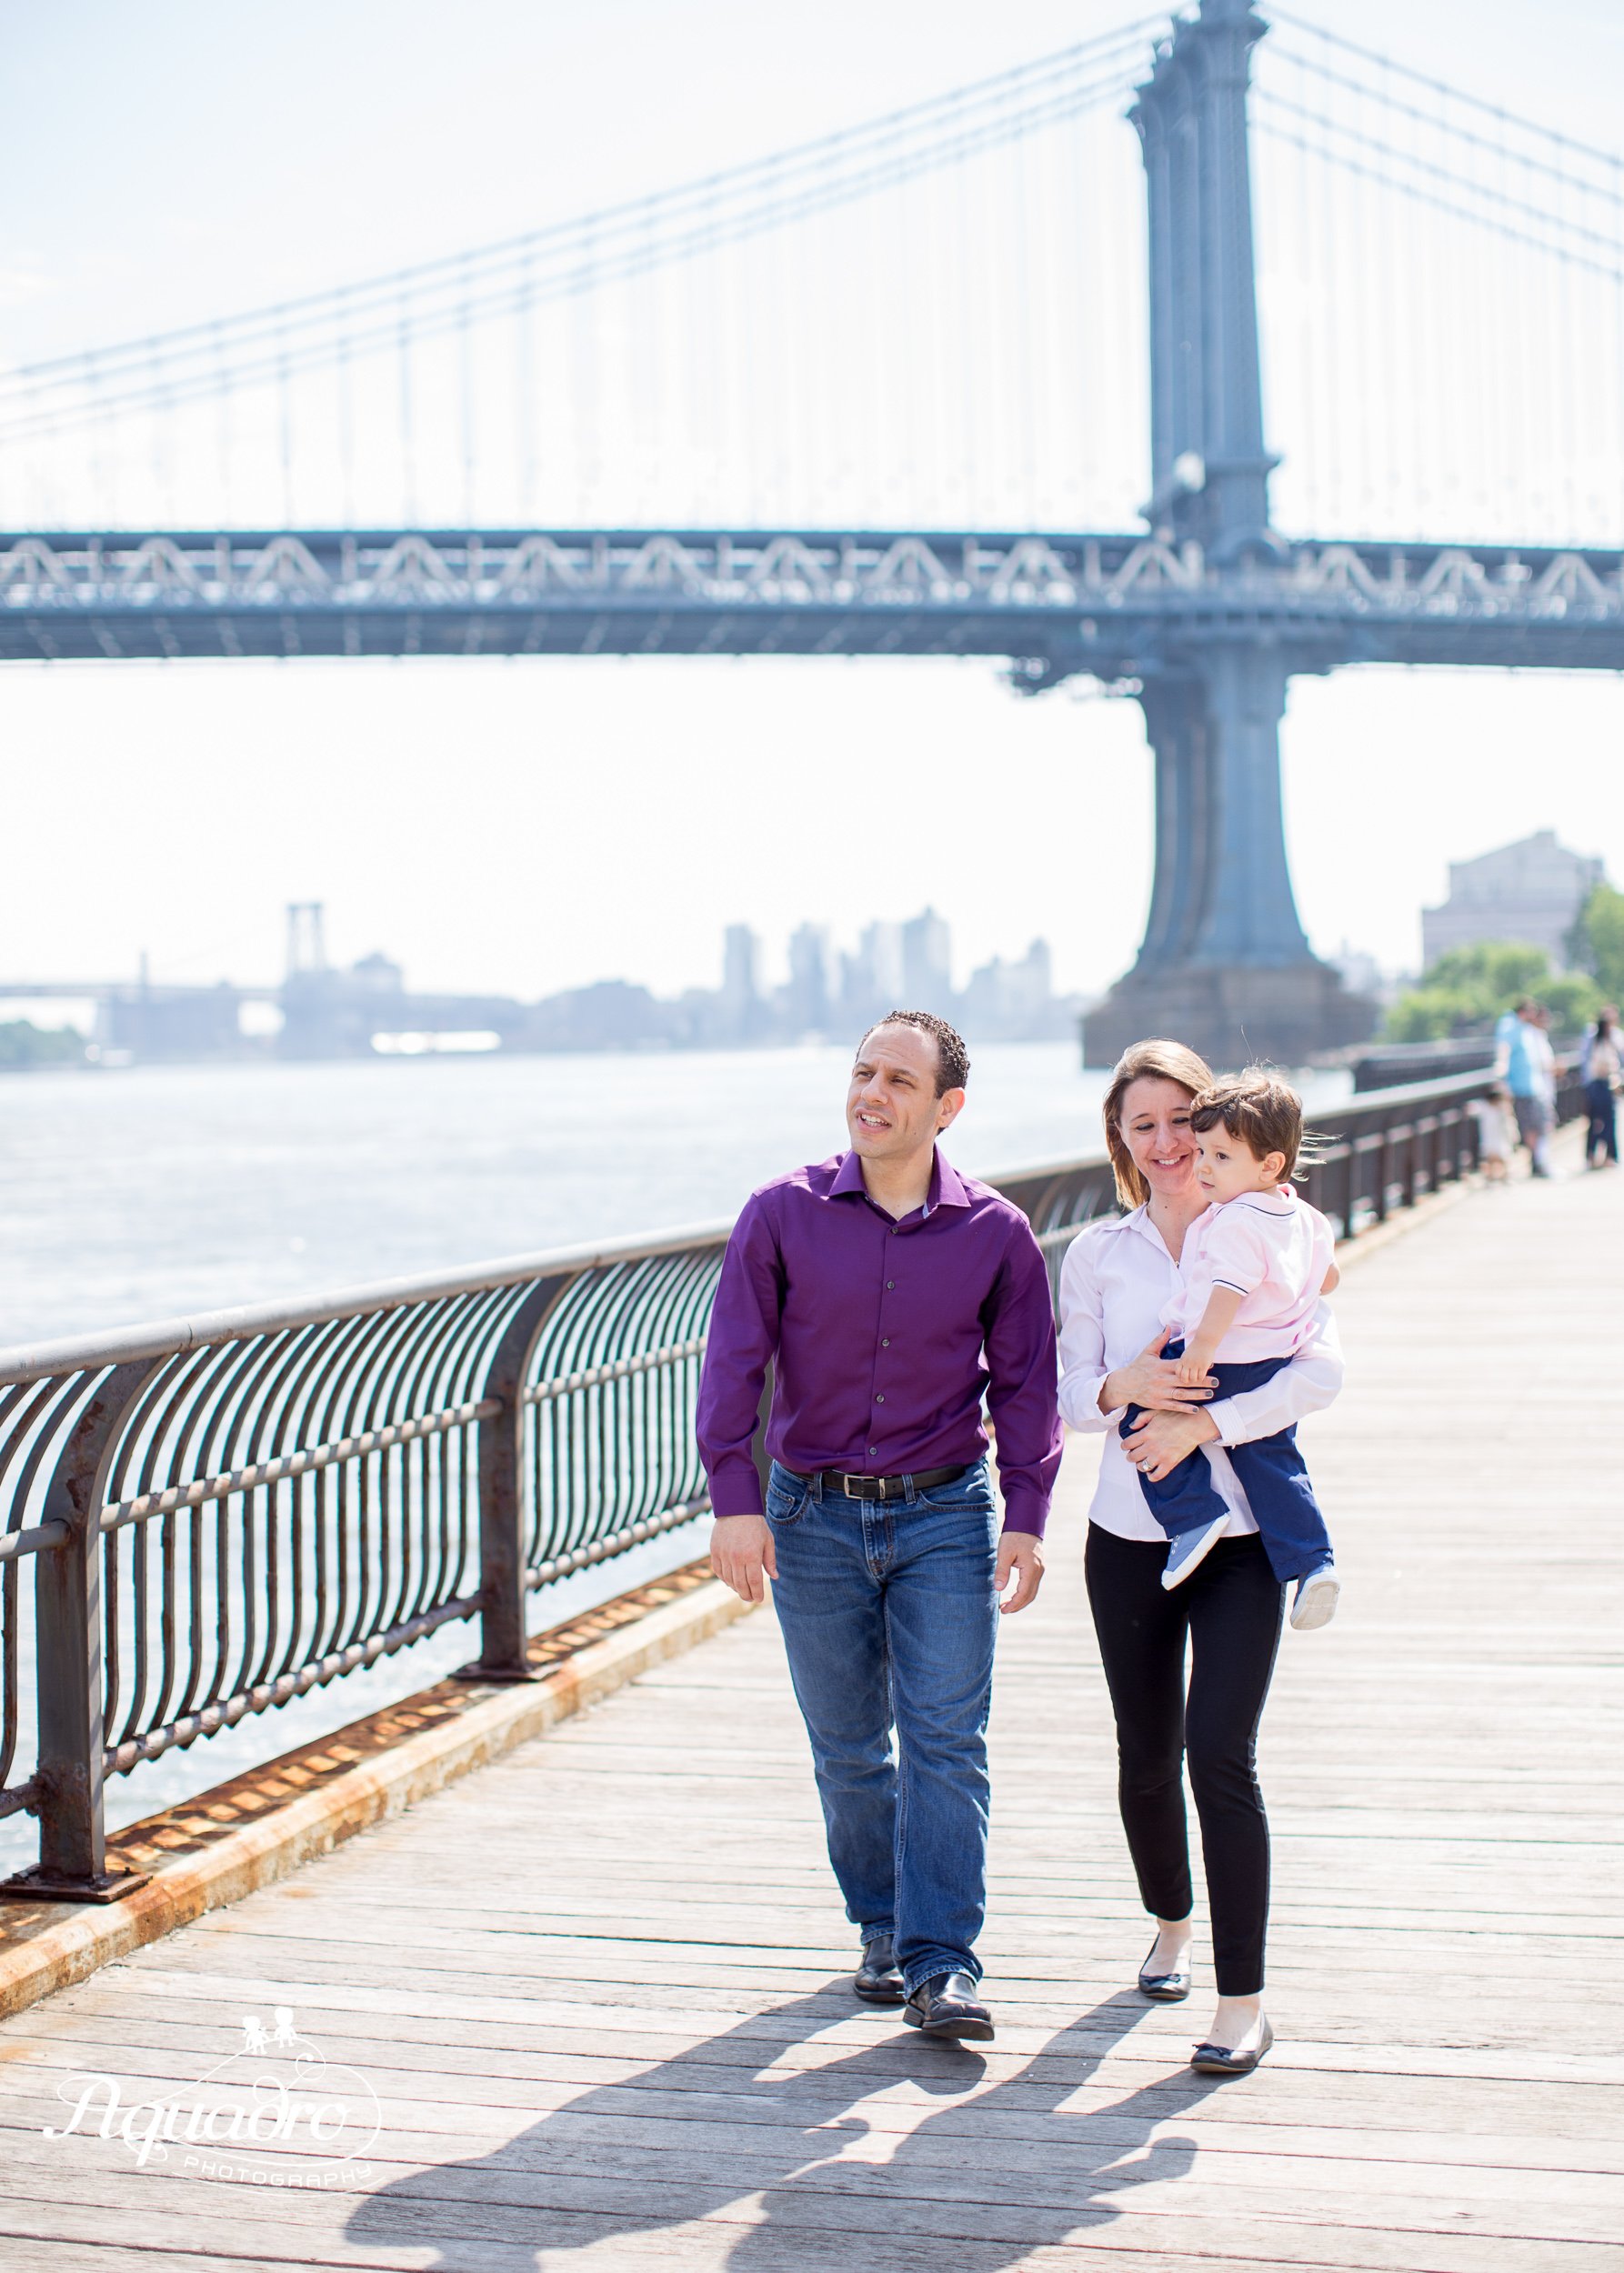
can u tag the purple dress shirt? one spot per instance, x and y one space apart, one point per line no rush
884 1336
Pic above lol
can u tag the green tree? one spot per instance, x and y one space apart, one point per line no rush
1466 990
1427 1013
24 1045
1573 999
1596 944
1496 972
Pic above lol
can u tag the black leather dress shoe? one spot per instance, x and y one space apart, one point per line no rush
1214 2060
878 1978
1168 1988
947 2005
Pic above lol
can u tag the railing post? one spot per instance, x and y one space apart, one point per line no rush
67 1616
1350 1172
503 1593
1406 1165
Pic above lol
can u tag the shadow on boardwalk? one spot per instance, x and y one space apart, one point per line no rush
614 2164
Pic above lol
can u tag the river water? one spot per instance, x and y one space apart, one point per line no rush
154 1192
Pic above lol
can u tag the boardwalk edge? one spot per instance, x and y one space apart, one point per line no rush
489 1721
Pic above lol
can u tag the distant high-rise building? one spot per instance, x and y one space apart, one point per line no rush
1011 1001
809 997
741 964
1530 891
1035 975
871 979
928 963
741 1003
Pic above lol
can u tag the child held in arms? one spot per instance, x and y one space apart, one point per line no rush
1254 1268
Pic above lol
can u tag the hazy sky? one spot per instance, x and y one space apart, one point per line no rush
534 824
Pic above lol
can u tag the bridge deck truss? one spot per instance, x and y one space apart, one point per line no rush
1113 605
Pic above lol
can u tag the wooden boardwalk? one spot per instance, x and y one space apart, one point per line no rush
597 1988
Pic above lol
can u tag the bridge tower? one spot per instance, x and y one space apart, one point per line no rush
306 938
1225 965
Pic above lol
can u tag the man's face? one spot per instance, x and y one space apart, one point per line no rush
892 1107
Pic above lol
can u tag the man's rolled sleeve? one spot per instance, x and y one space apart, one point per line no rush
1021 1364
742 1341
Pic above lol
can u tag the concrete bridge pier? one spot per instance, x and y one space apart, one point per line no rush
1225 965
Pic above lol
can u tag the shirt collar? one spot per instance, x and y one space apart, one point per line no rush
1138 1219
946 1185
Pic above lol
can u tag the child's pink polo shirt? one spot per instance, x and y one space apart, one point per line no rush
1275 1250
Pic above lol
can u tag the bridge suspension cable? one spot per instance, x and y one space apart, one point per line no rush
1467 372
935 316
566 259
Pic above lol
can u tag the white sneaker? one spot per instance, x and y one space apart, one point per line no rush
1315 1601
1189 1547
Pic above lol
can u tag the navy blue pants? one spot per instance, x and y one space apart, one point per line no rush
1272 1474
1601 1137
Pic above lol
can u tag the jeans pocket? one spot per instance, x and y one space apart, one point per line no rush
970 1494
786 1496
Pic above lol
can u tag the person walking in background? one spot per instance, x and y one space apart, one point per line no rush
1116 1280
1598 1068
1530 1073
1496 1135
889 1294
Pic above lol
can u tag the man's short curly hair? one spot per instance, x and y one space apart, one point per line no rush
952 1058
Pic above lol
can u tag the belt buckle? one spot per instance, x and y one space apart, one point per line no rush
864 1486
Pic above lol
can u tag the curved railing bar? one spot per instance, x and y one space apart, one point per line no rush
212 1487
168 1336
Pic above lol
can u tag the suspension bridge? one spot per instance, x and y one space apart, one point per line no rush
886 394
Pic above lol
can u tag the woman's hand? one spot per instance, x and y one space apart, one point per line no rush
1156 1442
1151 1380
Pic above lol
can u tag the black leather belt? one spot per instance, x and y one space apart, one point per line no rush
884 1486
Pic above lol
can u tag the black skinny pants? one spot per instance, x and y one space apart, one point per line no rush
1230 1608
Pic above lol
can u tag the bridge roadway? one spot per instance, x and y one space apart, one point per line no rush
1111 606
597 1984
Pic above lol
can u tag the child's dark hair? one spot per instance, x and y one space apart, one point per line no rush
1258 1110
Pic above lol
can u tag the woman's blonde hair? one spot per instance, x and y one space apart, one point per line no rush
1156 1060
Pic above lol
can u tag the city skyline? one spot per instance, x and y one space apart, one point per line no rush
327 1007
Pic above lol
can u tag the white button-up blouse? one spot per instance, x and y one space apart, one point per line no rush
1116 1280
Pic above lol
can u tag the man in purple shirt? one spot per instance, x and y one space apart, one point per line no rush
889 1294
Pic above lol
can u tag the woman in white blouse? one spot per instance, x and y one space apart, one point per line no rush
1118 1276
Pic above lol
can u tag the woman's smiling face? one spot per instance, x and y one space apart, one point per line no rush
1156 1129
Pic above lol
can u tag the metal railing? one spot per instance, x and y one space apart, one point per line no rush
223 1514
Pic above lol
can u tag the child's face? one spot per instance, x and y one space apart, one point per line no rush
1226 1167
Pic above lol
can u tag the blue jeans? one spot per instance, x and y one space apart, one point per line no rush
1273 1476
888 1614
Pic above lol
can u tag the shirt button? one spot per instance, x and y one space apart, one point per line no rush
890 1283
884 1341
874 1452
880 1398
